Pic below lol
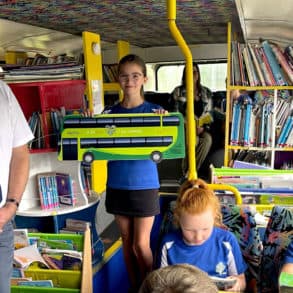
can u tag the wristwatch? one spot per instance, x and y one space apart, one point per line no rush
13 200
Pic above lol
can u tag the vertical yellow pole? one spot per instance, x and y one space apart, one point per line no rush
171 7
95 94
228 97
93 69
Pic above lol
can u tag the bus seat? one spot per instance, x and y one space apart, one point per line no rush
165 100
241 222
278 234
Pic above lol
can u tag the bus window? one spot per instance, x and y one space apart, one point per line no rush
165 77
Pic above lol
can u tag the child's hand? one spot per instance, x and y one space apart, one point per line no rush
160 111
87 113
238 286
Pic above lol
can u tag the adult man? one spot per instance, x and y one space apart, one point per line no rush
14 157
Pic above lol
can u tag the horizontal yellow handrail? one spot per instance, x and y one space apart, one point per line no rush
231 188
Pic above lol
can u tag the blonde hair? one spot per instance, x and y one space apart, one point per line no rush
195 197
178 278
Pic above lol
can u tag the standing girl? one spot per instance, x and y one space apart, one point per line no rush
200 241
132 186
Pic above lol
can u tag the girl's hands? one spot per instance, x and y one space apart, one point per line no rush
239 285
160 111
87 113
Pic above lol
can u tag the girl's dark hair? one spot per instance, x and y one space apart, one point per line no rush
183 82
132 58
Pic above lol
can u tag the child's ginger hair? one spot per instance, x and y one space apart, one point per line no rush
195 197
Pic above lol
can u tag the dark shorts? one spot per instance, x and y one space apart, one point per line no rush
135 203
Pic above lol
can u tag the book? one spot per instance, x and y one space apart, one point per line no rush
38 283
20 238
282 61
25 256
235 64
76 224
204 119
55 189
278 76
14 281
17 273
54 261
269 72
71 262
64 189
55 243
223 283
253 81
256 65
259 56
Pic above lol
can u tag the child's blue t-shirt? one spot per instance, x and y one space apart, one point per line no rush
219 256
133 174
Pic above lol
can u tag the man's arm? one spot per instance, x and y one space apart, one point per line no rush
18 176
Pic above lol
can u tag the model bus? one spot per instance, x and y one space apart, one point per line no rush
122 137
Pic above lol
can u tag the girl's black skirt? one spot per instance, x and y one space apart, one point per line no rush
136 203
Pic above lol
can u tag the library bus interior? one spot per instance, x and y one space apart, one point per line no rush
60 57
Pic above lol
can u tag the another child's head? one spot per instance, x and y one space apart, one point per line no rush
196 75
177 279
197 211
132 73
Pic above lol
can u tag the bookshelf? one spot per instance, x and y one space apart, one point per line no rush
42 97
272 149
70 281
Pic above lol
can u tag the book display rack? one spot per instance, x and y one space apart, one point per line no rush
259 104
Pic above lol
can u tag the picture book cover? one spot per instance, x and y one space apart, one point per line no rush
39 283
20 238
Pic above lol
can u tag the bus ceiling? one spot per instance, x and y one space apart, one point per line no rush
55 27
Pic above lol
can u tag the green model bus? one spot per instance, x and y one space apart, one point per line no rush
122 137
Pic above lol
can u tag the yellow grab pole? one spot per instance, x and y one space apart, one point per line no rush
190 125
233 189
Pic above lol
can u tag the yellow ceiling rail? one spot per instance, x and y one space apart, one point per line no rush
190 125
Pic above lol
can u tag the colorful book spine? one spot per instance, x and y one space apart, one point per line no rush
289 142
266 74
248 67
275 68
235 64
246 140
256 65
252 133
285 132
235 124
43 193
282 61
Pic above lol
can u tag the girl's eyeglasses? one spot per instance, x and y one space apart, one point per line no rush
133 77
